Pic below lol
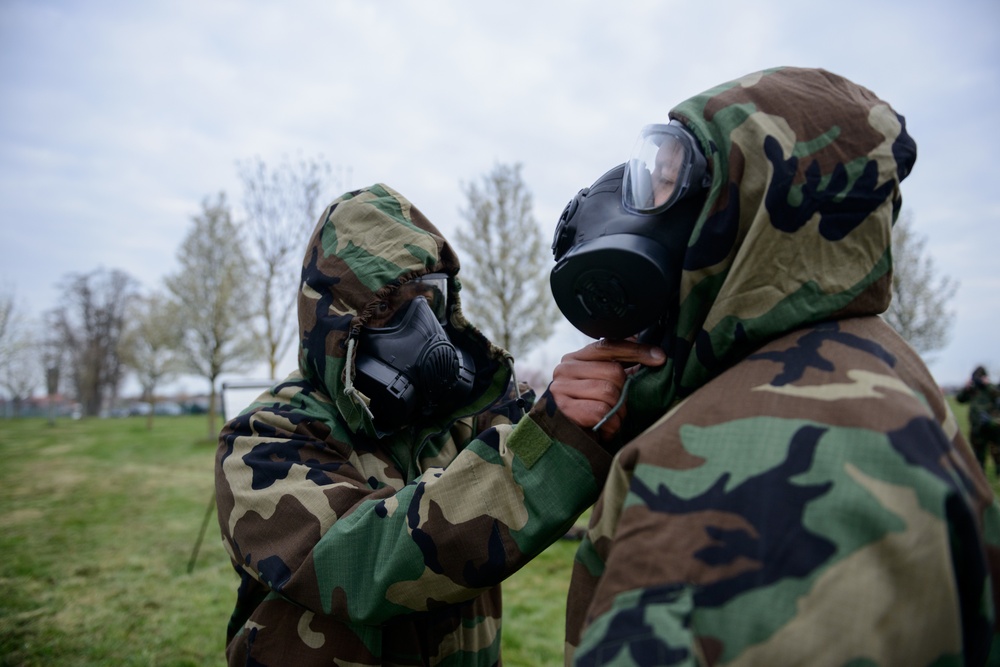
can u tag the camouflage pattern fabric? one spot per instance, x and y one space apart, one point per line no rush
797 491
359 550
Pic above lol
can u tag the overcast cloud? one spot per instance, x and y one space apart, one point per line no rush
118 118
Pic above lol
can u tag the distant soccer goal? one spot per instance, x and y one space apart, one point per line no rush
238 394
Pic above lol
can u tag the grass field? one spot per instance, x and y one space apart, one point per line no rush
98 519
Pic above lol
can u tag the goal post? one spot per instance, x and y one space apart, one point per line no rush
239 393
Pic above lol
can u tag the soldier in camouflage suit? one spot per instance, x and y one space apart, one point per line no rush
795 490
357 546
983 398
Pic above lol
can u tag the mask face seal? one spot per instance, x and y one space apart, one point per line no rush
410 369
619 245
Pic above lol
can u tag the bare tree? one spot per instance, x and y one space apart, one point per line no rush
152 343
919 308
281 207
504 277
213 287
52 358
19 374
9 320
90 328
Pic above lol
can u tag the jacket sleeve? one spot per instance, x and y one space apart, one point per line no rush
298 513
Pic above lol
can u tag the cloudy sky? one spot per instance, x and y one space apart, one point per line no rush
118 118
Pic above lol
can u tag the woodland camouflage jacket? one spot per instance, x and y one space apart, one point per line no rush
359 550
984 407
797 491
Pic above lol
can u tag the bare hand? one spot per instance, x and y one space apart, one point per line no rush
587 383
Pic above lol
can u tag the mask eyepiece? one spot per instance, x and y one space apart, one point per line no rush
666 166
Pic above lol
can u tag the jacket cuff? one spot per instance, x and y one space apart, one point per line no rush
554 424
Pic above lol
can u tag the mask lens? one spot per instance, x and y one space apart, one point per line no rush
663 167
434 288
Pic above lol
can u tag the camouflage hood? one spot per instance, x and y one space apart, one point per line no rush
366 244
796 229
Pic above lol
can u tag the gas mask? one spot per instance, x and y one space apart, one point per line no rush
619 245
410 369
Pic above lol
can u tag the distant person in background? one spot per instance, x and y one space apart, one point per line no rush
373 501
793 489
983 398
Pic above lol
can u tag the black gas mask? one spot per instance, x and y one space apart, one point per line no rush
410 369
619 245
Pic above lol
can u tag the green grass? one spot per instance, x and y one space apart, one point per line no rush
98 519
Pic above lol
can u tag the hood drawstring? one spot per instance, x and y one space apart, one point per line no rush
349 389
521 403
612 411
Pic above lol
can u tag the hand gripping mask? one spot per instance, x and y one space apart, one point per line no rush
619 245
410 368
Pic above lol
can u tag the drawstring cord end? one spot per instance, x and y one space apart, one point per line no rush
349 388
612 411
521 403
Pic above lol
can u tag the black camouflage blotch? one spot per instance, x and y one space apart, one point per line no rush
548 403
274 572
805 353
922 443
773 505
271 461
249 596
493 570
251 638
705 353
904 150
314 341
629 629
490 438
423 540
717 236
971 579
842 209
